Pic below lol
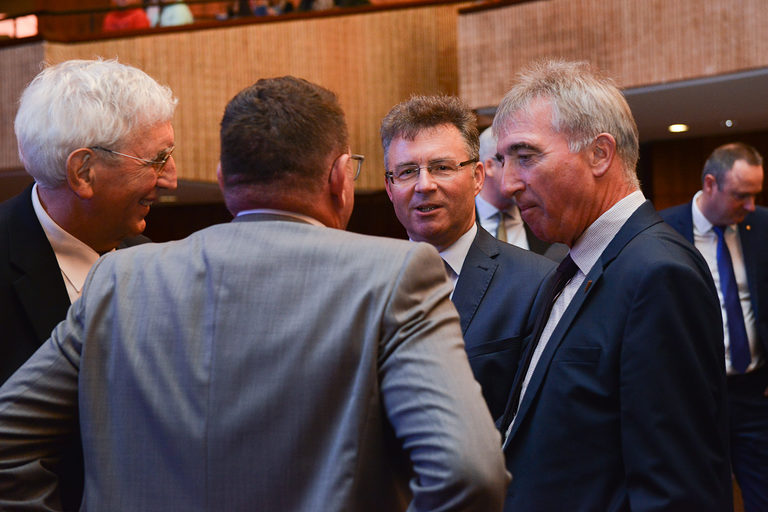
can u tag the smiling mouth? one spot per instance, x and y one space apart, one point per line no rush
425 209
146 202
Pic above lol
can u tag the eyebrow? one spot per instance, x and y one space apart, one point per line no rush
513 148
429 162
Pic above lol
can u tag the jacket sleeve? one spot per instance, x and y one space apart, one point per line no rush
431 399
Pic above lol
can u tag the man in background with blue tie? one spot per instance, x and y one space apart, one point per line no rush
729 230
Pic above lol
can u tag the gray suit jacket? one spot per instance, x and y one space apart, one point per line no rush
268 365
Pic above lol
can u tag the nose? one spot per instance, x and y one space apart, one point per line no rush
749 204
425 182
511 184
167 178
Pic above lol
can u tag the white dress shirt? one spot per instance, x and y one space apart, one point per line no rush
488 216
75 258
456 253
705 240
585 253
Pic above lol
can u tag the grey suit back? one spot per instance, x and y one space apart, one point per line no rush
284 379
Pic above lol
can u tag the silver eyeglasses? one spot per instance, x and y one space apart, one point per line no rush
157 165
439 169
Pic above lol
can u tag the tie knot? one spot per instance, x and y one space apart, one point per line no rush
567 268
719 230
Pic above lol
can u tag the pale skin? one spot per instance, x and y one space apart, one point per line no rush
491 191
105 199
560 194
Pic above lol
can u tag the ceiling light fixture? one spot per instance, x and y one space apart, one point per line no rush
678 128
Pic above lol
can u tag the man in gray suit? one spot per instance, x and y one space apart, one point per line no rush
431 153
272 363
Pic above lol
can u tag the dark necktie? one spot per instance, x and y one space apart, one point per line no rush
565 271
501 229
737 332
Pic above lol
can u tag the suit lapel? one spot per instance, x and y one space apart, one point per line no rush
476 274
39 285
642 219
751 234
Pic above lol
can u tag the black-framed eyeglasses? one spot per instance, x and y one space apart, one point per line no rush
360 159
157 165
439 170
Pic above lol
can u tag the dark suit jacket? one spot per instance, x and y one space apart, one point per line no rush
555 252
753 233
626 409
33 299
494 296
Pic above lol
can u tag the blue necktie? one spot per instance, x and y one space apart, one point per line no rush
737 332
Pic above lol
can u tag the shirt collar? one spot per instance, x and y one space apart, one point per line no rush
270 211
486 210
701 225
591 244
75 258
455 254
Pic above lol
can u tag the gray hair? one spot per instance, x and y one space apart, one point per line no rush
721 161
584 104
409 118
487 144
84 103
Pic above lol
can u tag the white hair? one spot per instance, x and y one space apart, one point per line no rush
584 104
84 103
487 144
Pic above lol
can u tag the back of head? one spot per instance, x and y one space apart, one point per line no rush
419 113
281 131
84 103
584 104
722 159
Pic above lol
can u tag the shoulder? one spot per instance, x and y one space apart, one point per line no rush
675 212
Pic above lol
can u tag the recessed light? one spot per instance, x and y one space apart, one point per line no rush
729 123
678 128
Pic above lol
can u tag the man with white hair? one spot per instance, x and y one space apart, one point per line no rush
97 138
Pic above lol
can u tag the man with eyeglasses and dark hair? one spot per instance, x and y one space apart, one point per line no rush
432 177
276 362
730 230
96 136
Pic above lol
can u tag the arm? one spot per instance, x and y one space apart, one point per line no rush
38 415
431 399
672 392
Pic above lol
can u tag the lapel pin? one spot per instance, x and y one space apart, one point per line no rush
586 288
748 227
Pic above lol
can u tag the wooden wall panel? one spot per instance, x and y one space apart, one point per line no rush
638 42
371 60
19 64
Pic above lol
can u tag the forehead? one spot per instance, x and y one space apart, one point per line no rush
529 126
745 176
444 141
151 138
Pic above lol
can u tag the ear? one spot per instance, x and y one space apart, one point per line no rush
219 177
81 175
601 154
337 182
709 184
479 177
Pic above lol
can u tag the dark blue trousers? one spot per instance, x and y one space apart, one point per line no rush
749 436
